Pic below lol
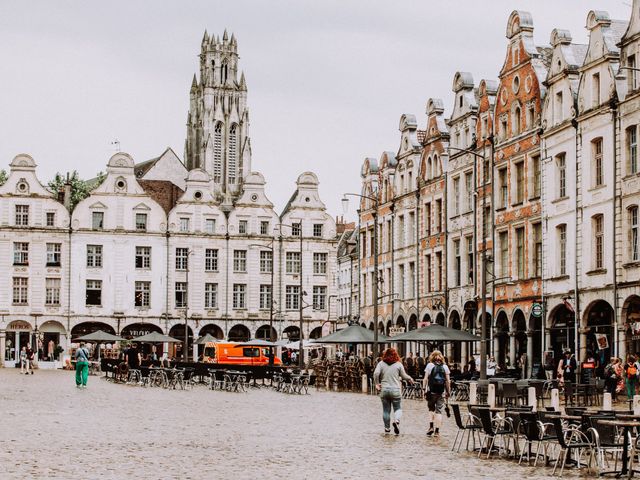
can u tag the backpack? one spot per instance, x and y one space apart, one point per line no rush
632 371
437 378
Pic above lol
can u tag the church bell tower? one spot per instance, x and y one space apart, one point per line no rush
218 120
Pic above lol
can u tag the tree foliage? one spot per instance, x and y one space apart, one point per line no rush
79 188
3 176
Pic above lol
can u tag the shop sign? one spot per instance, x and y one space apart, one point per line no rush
536 310
393 331
635 330
19 325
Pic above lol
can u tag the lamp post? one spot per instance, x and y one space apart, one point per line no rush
301 352
186 311
271 339
483 326
376 204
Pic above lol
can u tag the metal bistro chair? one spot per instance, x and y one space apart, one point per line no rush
492 429
470 427
570 438
605 439
510 393
534 432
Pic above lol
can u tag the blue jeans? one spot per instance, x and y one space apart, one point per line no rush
391 398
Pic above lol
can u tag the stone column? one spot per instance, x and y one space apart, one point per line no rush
496 346
512 349
622 342
583 345
3 346
529 353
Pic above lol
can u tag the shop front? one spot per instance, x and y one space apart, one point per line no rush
17 335
51 341
139 329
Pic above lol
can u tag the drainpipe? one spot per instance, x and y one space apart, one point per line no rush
166 297
578 213
417 275
474 280
616 121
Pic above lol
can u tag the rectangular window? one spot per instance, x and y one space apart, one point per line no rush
21 253
439 271
504 187
456 195
558 108
438 215
184 224
51 219
266 261
319 298
537 249
487 170
402 281
54 254
317 230
292 297
632 73
97 220
562 175
242 227
180 294
519 182
292 262
536 175
141 222
401 232
428 273
20 290
595 90
240 261
633 234
597 163
143 294
265 297
210 295
239 295
211 260
93 295
504 254
470 260
562 248
22 215
52 291
486 225
632 149
94 256
457 263
264 227
182 258
520 252
468 181
143 257
320 263
427 218
210 225
296 229
598 232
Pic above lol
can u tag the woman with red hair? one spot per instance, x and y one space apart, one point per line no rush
388 377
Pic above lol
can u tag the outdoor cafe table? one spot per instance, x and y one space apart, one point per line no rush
627 425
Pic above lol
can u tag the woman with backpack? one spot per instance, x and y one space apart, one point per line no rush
631 372
437 386
388 377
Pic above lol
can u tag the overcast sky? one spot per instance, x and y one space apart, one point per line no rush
328 80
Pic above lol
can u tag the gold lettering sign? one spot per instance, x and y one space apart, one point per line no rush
19 325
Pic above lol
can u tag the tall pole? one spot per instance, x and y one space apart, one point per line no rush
483 326
271 294
301 352
375 279
186 312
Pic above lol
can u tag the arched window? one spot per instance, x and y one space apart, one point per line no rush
436 166
232 155
517 113
633 234
217 153
224 71
429 168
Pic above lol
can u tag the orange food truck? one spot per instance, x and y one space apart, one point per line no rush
229 353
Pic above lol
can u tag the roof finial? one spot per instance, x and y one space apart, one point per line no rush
225 37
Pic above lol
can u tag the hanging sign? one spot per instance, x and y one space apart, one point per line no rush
536 310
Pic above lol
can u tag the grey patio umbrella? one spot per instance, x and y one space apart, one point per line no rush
206 339
352 334
436 333
99 336
155 337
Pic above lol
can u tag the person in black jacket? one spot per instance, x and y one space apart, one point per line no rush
567 367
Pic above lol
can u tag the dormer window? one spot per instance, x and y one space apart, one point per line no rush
210 225
97 220
595 89
51 219
184 224
632 73
517 113
141 222
558 107
242 226
22 215
460 100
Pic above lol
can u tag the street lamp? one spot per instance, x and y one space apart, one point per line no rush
301 352
186 310
483 326
376 204
271 298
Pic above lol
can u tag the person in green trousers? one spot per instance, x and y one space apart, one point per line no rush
82 366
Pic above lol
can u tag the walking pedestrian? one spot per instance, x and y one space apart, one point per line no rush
30 358
388 377
82 366
437 387
24 363
631 372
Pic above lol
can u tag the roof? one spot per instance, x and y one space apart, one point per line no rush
422 134
162 191
546 54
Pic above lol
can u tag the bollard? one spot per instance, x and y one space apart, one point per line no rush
636 404
491 395
365 383
533 401
555 399
606 402
473 393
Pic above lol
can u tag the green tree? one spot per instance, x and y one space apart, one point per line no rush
79 188
3 176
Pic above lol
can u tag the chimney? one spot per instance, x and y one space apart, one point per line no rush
67 193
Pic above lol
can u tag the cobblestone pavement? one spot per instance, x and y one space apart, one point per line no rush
50 429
